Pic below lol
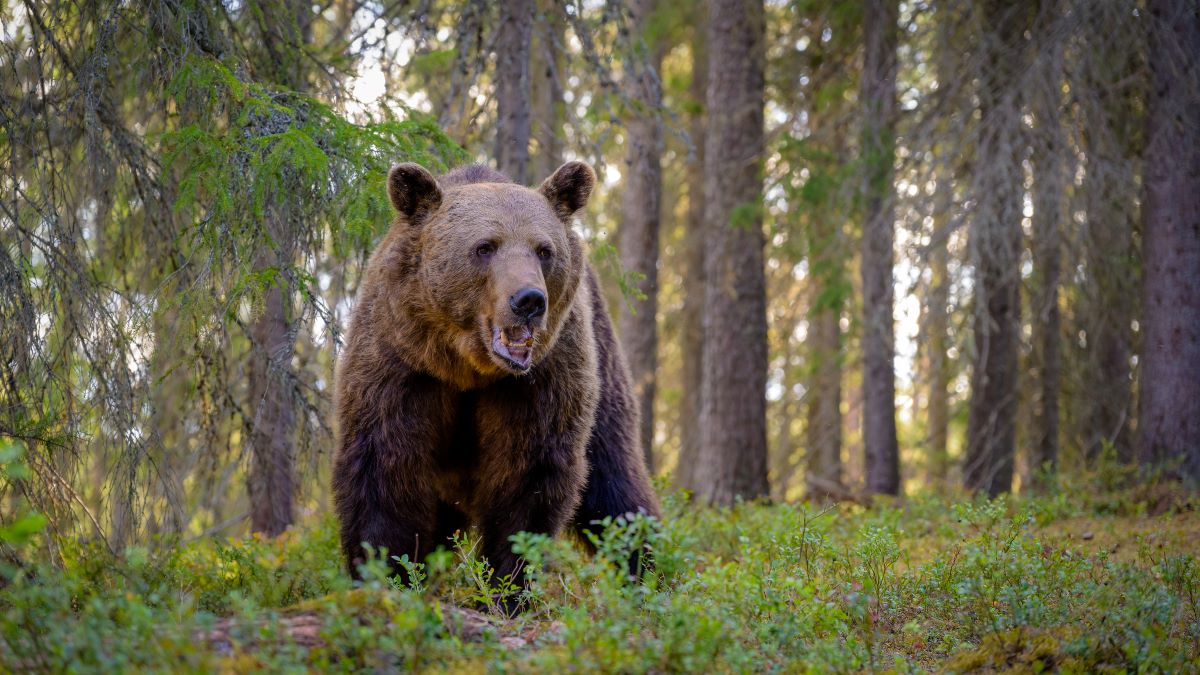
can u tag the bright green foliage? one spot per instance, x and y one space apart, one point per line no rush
252 149
25 524
1026 585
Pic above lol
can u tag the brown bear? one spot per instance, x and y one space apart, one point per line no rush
481 382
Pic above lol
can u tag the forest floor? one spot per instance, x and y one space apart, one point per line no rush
1087 580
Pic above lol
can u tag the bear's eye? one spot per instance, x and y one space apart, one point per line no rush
544 253
485 249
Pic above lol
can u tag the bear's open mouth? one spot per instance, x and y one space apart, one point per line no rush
515 345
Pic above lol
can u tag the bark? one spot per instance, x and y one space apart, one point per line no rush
1047 319
783 466
1049 214
936 336
824 470
823 432
693 277
732 461
878 96
937 311
1108 308
272 438
1109 300
996 249
271 477
640 220
547 95
1169 423
513 89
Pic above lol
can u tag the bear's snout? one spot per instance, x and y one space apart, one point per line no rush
513 339
528 303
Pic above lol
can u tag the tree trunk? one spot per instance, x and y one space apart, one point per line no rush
1049 212
693 277
639 230
733 445
783 467
936 334
513 89
1108 305
1169 423
827 254
878 96
823 432
272 438
286 28
937 310
996 252
546 127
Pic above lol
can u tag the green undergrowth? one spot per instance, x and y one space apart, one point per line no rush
1075 582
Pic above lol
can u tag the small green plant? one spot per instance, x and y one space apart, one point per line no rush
21 525
927 585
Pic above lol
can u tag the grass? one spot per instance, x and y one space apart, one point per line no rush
1079 581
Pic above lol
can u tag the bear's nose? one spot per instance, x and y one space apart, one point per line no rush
528 303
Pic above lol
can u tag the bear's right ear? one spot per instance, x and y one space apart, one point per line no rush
414 191
569 188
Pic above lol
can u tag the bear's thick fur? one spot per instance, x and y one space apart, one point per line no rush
481 382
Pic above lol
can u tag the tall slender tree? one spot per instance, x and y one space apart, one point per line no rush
694 245
995 250
878 96
513 88
936 327
1049 212
733 448
823 431
825 206
1169 423
1107 94
936 312
640 214
284 28
547 96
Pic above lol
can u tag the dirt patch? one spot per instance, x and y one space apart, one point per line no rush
1122 537
304 628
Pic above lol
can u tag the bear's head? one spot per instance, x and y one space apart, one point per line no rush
490 268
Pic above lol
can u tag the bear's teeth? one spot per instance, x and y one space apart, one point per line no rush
526 339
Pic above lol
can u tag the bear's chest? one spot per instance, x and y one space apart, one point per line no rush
457 462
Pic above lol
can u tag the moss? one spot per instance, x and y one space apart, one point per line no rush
1017 651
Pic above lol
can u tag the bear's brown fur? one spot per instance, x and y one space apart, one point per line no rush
481 383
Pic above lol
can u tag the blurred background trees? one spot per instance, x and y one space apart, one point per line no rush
852 248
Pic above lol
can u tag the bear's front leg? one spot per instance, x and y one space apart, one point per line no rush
543 507
383 485
532 468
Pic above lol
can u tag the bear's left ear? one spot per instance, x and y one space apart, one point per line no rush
414 191
569 188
